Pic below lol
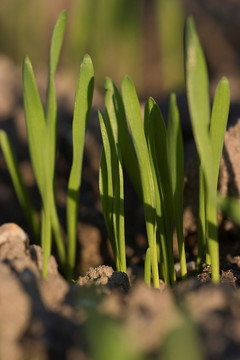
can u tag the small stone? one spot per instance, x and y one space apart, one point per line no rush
105 276
12 232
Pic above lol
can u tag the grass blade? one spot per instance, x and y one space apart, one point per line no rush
163 256
107 180
158 149
19 186
51 101
199 107
133 113
51 122
198 97
56 41
202 223
175 159
35 123
42 139
147 110
118 213
218 123
83 102
147 268
115 109
112 192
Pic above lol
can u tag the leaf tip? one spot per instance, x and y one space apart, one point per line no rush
108 84
127 83
63 15
87 59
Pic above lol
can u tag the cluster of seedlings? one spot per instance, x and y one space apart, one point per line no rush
150 151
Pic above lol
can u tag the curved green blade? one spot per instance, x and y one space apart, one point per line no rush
197 85
175 159
218 123
35 123
18 183
157 135
56 41
115 109
82 107
133 113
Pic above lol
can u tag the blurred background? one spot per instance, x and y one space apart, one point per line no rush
141 38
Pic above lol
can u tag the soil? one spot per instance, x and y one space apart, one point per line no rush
54 319
105 314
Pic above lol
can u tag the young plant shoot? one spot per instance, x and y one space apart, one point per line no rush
208 131
133 114
41 130
83 102
176 164
157 143
111 191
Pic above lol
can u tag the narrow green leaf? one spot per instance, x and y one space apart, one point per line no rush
161 235
147 268
201 222
36 130
147 110
199 108
158 148
175 148
197 85
57 231
175 160
158 142
82 107
51 136
112 176
51 102
115 109
18 183
163 256
56 41
46 238
118 213
42 139
35 123
108 176
218 123
103 189
133 113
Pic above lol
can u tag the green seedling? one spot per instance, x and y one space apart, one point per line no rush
133 114
111 191
146 161
208 129
83 101
176 164
41 131
157 143
154 160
